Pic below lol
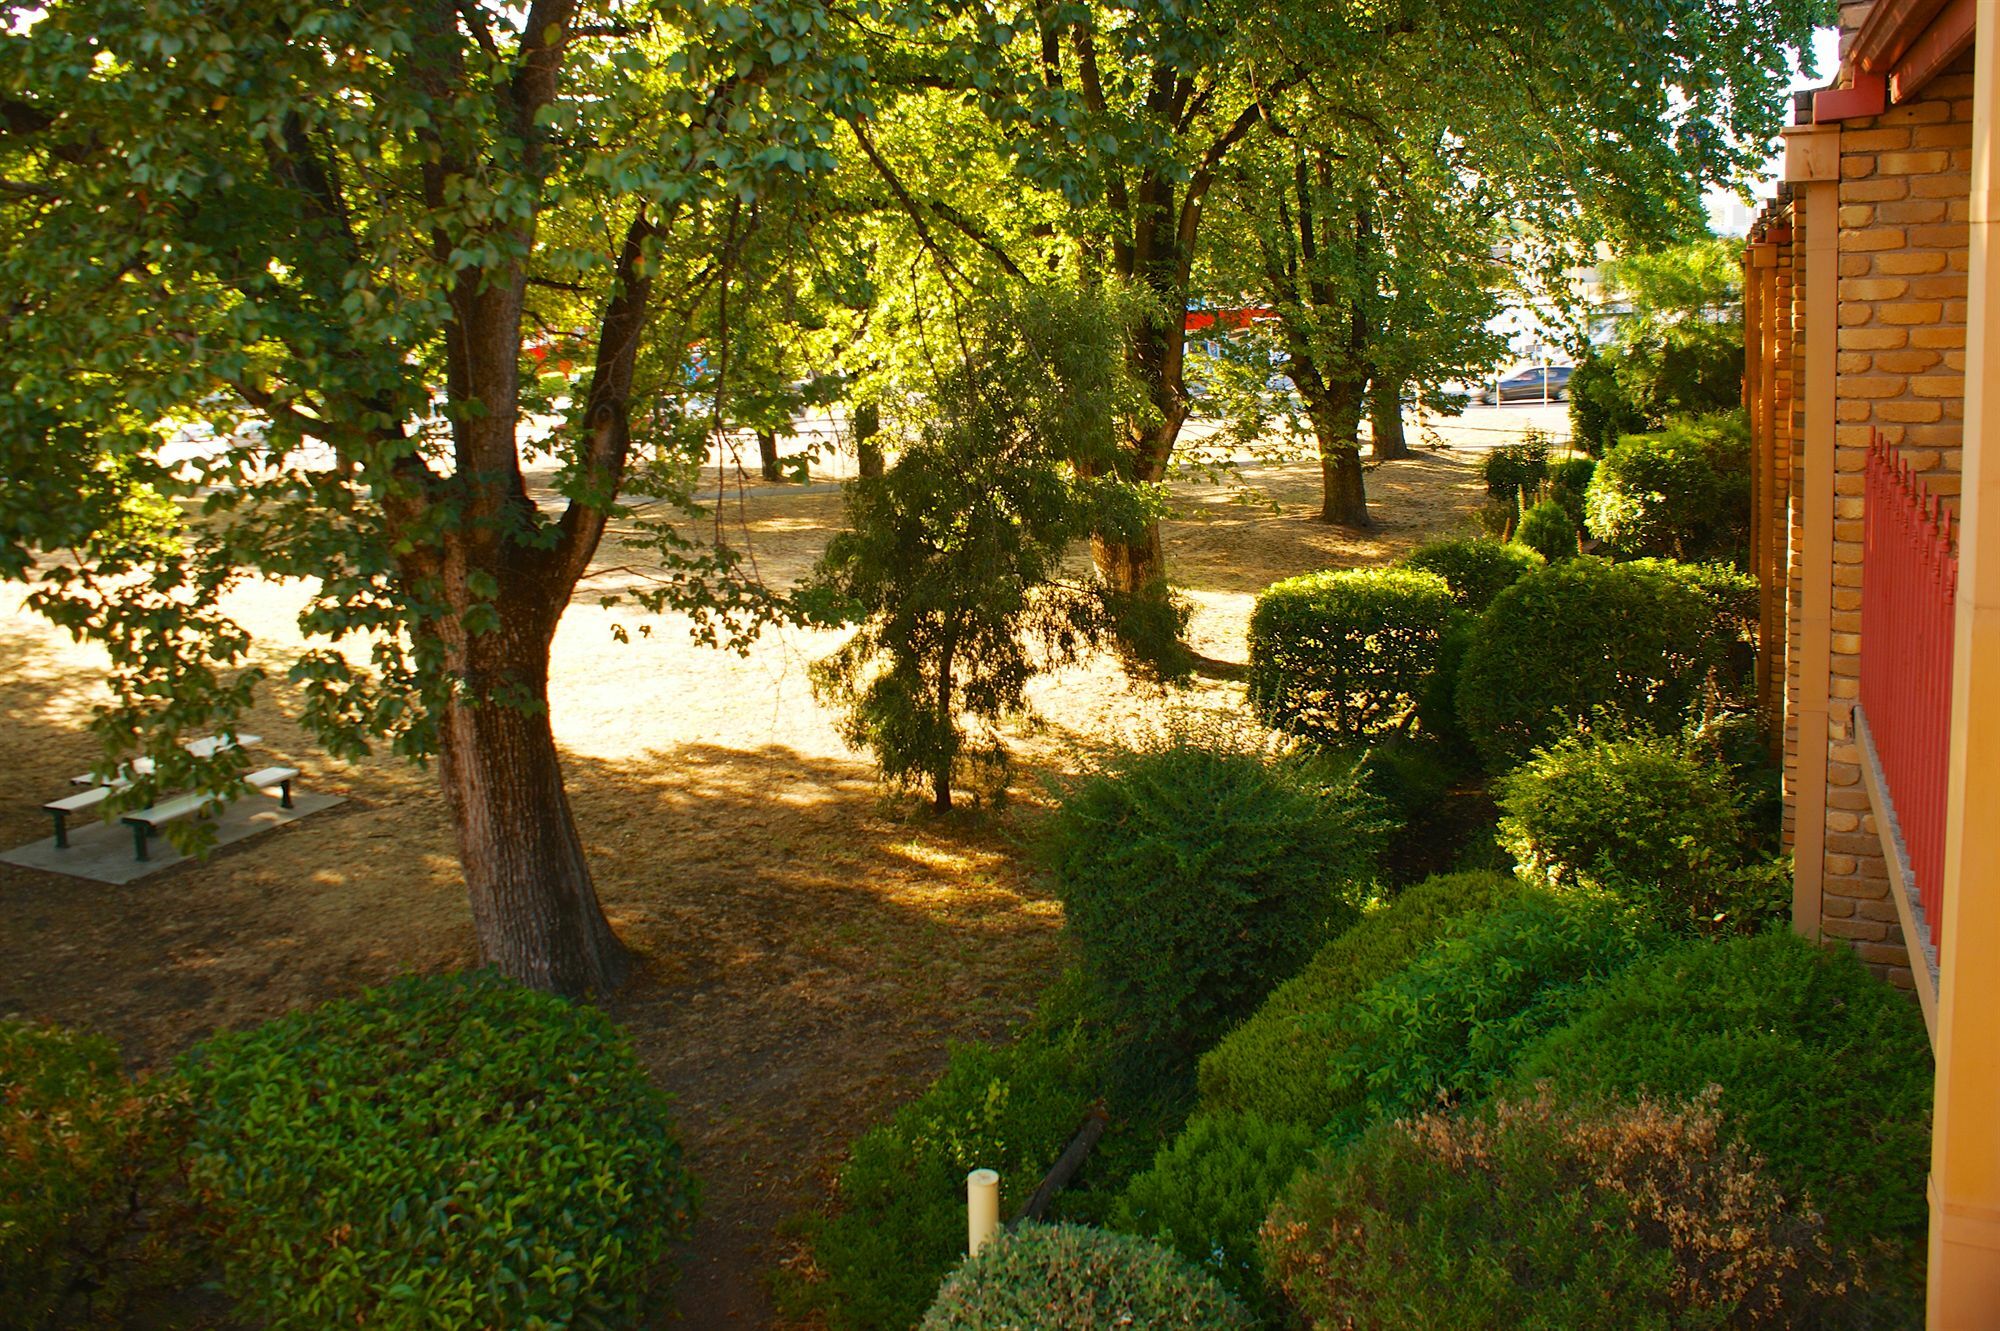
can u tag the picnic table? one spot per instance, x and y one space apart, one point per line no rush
145 823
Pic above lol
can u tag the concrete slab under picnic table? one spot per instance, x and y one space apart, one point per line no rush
102 852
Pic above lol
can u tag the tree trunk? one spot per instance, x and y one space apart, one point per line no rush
1385 413
941 773
767 455
533 906
1345 499
867 423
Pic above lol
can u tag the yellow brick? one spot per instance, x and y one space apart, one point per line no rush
1879 190
1873 385
1875 140
1941 235
1908 263
1923 112
1858 265
1938 385
1874 339
1851 168
1854 411
1947 185
1910 312
1854 362
1937 337
1873 239
1913 210
1943 287
1877 288
1906 362
1942 136
1910 413
1913 163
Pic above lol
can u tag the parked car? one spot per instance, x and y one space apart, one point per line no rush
1542 384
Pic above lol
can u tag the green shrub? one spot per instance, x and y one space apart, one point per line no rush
86 1158
1516 470
1549 530
1540 1215
1475 569
440 1152
1683 492
1653 819
1345 653
1068 1278
1582 636
899 1221
1277 1064
1569 480
1207 1194
1199 872
1824 1070
1601 410
1447 1026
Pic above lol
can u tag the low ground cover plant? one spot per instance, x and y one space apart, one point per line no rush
1584 637
1476 569
439 1153
1069 1278
1652 818
1346 653
1539 1214
1199 872
87 1166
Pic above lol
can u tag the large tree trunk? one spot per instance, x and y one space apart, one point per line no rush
533 906
867 424
767 455
1385 414
1336 422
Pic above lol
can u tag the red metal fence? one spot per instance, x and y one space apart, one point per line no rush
1909 582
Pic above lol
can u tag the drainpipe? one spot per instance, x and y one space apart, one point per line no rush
1965 1129
1812 166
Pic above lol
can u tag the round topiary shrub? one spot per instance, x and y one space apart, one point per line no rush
1549 530
1345 653
1476 570
1581 637
1650 818
86 1162
1069 1278
1683 492
1542 1215
450 1152
1199 872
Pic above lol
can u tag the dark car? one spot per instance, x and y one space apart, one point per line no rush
1546 384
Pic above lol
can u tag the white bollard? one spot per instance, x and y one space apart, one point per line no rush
982 1209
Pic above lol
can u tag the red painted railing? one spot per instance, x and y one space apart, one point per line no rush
1909 582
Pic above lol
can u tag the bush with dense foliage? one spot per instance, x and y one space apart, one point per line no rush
1518 470
438 1153
1277 1064
1824 1070
1580 637
1549 530
1199 872
1654 819
1682 492
1207 1193
1541 1214
1069 1278
1476 569
1601 410
1450 1024
1345 653
86 1159
899 1219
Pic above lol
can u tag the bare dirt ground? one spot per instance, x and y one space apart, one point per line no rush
808 944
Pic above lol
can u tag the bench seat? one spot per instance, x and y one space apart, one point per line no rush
61 809
145 822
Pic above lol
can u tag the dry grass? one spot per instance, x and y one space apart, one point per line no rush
808 945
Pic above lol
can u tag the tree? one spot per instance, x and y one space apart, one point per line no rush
326 235
951 566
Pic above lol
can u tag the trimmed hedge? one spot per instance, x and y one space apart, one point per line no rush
1582 636
1068 1278
438 1153
1476 569
86 1163
1825 1070
1277 1064
1682 492
1541 1215
899 1222
1550 531
1197 874
1345 653
1650 818
1451 1023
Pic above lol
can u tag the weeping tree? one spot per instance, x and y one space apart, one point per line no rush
952 568
326 239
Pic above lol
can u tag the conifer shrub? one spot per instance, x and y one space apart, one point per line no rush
1538 1214
1476 569
1199 872
1654 819
1549 530
1449 1025
1277 1065
1345 653
88 1213
1069 1278
1824 1070
1682 492
438 1153
1585 637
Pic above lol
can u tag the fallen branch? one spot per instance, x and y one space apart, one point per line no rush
1065 1166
